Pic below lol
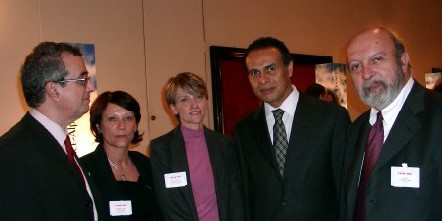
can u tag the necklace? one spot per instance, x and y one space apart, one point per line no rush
123 177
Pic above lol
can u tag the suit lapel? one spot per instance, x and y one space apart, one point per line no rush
356 153
214 156
359 150
262 137
301 121
405 126
49 146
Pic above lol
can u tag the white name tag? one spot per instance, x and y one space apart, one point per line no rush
405 176
173 180
120 208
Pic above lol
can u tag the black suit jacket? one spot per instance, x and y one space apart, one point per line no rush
97 167
313 170
37 180
168 155
415 139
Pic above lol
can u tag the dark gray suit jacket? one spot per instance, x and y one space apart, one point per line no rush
37 180
168 155
310 189
415 139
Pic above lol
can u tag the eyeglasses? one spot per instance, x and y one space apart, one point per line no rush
81 81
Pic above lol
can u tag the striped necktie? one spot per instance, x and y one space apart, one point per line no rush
279 139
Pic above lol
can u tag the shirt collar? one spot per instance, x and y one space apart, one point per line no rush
55 129
287 106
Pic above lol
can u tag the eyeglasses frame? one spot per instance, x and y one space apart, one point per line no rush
81 81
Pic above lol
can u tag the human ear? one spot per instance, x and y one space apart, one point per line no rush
51 91
405 61
173 109
290 68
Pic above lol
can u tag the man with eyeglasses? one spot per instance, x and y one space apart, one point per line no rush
37 180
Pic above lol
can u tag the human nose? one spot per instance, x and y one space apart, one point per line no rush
193 102
367 72
121 124
90 84
263 78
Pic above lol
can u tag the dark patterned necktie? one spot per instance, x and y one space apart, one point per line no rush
373 149
279 139
71 157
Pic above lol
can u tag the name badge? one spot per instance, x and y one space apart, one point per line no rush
120 208
173 180
405 176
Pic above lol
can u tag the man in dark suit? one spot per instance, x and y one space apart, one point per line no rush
398 177
304 183
38 182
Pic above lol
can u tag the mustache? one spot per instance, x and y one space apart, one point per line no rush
371 83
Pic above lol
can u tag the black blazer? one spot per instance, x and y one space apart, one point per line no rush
313 170
168 155
97 166
415 139
37 180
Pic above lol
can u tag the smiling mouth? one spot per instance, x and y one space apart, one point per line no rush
195 112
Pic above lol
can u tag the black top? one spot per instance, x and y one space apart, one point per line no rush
141 194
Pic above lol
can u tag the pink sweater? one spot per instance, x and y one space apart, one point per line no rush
201 174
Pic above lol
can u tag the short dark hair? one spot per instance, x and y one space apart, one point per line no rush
315 90
44 64
269 42
120 98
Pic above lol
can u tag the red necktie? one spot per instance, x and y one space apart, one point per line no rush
71 157
373 149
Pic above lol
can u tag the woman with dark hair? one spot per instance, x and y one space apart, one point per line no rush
123 177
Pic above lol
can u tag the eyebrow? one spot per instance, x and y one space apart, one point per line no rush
84 73
270 65
264 68
379 53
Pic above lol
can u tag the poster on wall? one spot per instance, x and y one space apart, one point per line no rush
333 77
81 137
431 79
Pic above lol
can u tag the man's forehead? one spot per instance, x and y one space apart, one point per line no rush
263 57
369 44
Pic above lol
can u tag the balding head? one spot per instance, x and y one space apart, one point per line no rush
379 66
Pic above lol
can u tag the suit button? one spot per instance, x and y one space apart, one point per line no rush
373 201
284 203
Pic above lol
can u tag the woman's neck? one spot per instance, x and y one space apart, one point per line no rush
116 155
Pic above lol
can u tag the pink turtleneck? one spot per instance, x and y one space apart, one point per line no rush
201 174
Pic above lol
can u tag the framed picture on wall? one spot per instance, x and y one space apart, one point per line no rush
232 94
